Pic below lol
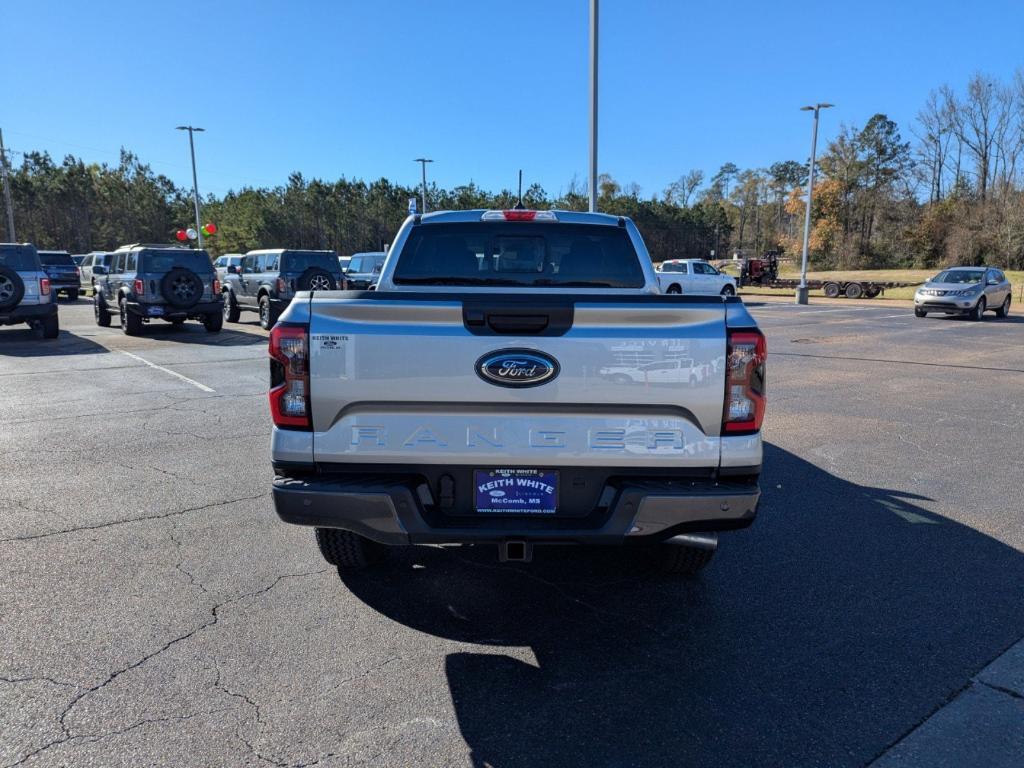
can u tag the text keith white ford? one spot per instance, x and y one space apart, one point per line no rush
467 399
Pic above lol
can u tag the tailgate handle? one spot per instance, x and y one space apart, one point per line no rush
517 323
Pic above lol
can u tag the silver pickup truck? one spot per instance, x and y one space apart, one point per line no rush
463 401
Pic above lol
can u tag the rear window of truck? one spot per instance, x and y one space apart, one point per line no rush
56 259
197 261
298 261
519 254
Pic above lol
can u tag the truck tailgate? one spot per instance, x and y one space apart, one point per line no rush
394 379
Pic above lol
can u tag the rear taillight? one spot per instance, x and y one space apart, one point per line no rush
78 272
44 286
282 286
746 353
216 286
289 377
139 287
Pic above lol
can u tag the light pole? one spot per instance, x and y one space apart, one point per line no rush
423 189
195 184
801 291
7 190
593 105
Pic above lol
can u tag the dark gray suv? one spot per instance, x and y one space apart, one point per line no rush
267 281
158 282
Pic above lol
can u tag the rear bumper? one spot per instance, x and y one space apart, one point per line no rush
27 312
398 511
175 313
63 283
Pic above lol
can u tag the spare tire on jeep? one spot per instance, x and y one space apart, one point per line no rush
316 279
181 287
12 287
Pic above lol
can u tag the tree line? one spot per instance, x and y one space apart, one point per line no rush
952 192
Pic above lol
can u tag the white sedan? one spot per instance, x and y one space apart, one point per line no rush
694 276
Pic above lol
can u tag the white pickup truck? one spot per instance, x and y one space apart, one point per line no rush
463 400
694 276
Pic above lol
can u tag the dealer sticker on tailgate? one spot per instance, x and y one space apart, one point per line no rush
516 491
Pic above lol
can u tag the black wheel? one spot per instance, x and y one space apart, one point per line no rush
854 291
674 288
728 290
978 313
683 560
872 293
51 326
131 323
181 287
12 287
316 279
1004 310
267 314
920 312
231 310
213 322
100 311
349 551
621 378
72 294
831 290
178 324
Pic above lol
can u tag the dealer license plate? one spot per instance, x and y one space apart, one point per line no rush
516 491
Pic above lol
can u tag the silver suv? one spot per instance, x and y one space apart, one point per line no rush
25 292
967 291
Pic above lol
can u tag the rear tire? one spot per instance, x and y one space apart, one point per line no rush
100 311
682 560
728 290
1004 310
50 326
674 288
267 315
213 322
978 313
131 323
231 310
349 551
854 291
831 290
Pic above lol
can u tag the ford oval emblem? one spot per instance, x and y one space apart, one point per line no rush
517 368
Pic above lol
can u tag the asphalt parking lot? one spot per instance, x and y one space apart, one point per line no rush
153 610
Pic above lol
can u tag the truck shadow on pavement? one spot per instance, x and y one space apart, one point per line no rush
819 636
25 342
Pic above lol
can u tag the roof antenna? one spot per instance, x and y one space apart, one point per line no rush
519 205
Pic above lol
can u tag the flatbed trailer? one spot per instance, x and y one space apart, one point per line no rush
851 289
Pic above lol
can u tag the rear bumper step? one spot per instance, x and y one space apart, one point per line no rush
394 511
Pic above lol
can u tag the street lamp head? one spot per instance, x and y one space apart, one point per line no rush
806 109
825 105
422 160
190 128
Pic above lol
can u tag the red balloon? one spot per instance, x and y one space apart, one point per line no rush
181 235
211 228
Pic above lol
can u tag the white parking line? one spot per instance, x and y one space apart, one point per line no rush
176 375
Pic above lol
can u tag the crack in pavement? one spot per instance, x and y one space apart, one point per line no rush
215 612
37 678
145 518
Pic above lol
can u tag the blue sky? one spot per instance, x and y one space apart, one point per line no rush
484 88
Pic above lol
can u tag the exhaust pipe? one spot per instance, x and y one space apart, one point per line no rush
515 552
